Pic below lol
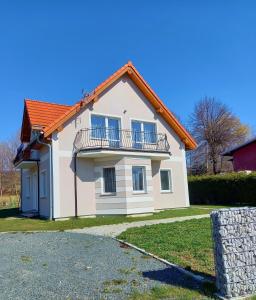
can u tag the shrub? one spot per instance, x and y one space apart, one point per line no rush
223 189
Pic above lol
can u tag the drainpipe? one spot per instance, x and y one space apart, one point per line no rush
38 189
75 180
50 175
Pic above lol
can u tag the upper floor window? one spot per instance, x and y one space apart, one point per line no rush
104 127
98 126
143 132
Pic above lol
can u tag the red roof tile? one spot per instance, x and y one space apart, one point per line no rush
40 114
43 113
51 116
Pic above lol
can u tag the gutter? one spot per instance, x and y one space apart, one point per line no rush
50 174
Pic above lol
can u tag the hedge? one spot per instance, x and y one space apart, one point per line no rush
227 189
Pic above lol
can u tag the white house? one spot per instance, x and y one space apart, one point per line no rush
117 151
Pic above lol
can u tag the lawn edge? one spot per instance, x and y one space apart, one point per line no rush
199 278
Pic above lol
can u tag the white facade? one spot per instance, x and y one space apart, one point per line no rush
123 101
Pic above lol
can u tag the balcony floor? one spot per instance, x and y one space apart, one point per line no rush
99 152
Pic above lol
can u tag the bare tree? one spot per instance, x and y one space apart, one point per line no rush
214 125
9 177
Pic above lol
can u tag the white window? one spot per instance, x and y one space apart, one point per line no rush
43 183
28 186
109 180
138 179
143 133
103 127
166 180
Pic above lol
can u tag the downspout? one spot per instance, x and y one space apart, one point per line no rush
75 181
50 175
76 151
38 189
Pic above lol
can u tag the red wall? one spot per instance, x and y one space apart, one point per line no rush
245 158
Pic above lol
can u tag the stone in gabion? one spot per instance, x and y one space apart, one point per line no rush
234 236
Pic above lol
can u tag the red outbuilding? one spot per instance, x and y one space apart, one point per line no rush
244 156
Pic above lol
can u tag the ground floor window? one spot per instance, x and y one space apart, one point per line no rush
138 179
166 180
109 180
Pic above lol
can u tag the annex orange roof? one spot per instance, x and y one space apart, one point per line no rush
59 114
40 114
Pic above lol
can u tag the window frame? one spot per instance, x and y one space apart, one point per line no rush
142 129
42 188
144 191
170 190
106 117
103 193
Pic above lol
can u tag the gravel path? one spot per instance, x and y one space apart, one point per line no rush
62 265
115 230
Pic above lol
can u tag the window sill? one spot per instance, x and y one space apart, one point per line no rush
166 192
139 192
107 194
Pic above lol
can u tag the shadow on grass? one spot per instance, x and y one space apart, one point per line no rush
9 212
172 276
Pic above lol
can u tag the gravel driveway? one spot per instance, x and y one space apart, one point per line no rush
64 265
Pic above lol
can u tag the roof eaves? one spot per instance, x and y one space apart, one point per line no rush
187 138
231 151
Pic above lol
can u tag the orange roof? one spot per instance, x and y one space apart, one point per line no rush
53 121
39 114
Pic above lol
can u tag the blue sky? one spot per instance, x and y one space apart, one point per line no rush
185 50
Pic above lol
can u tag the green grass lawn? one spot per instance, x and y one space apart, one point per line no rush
172 292
187 243
9 222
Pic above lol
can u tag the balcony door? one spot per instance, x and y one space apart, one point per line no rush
143 134
114 132
107 129
137 135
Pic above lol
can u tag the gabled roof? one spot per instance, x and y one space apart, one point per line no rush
231 151
39 114
69 111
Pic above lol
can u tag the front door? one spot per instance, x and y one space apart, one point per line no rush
35 191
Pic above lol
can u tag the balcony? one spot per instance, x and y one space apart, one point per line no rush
100 139
25 158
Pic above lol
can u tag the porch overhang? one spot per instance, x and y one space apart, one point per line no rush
26 164
98 153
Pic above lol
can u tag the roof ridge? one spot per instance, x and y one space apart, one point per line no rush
46 102
134 74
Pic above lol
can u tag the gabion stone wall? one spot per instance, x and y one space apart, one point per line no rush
234 236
